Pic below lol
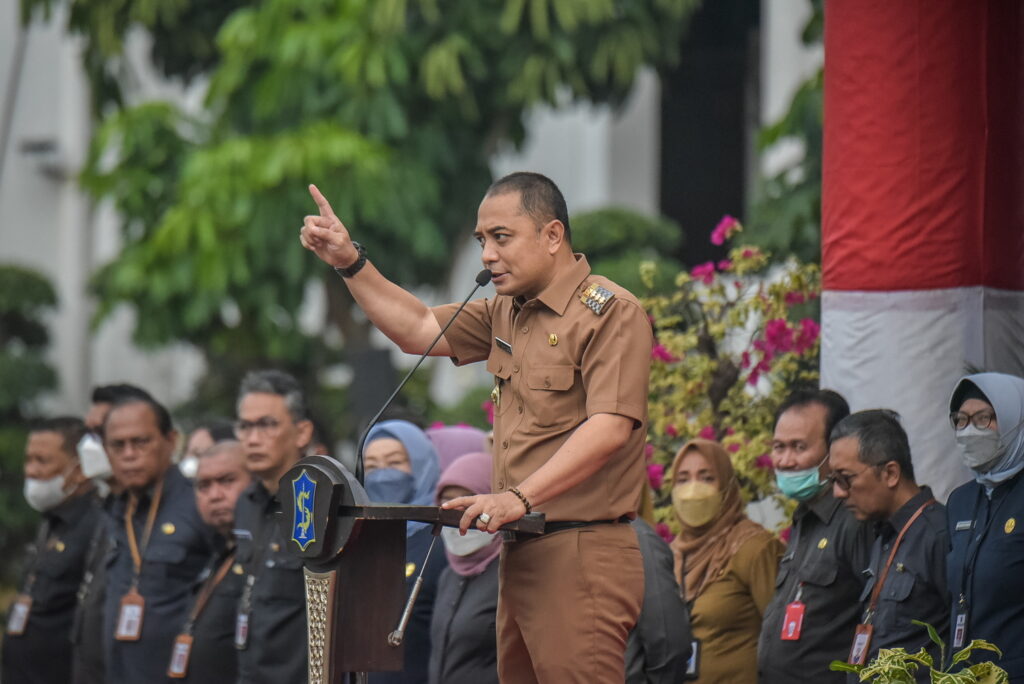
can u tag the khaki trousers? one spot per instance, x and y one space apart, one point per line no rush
567 602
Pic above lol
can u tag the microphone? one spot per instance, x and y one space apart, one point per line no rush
482 278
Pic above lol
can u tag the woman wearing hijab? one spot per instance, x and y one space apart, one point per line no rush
986 517
452 441
462 634
725 563
401 467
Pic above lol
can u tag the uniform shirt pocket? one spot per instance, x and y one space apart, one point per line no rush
551 386
821 573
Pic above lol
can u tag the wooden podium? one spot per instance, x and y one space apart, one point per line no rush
354 565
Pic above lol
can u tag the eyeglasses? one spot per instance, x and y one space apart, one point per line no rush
117 446
265 426
845 480
981 420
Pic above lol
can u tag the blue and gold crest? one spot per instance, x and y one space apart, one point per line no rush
303 530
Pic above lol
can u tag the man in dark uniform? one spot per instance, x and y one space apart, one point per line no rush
88 665
873 475
36 645
570 353
204 652
160 544
271 626
812 616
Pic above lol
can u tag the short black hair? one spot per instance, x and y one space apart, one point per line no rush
539 197
162 415
835 406
880 438
220 429
276 382
111 394
70 428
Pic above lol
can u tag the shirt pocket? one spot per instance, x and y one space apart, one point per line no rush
555 404
499 364
820 574
897 589
282 579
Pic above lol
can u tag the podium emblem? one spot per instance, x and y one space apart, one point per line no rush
303 530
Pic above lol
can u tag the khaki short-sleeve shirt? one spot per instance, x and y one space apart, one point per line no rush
558 359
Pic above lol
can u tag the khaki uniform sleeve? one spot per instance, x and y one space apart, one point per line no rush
758 559
470 334
616 364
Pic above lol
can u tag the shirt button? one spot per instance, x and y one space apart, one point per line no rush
504 445
501 484
270 562
525 329
520 408
515 369
547 382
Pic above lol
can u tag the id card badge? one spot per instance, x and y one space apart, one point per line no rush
179 656
693 664
129 617
18 618
861 644
242 631
960 629
793 621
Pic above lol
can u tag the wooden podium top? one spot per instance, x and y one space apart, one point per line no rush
528 524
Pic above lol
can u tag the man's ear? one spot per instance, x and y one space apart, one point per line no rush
892 474
304 429
553 235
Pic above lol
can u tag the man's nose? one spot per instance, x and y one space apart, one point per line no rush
838 492
489 255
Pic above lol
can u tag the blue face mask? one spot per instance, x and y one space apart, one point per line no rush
388 485
801 485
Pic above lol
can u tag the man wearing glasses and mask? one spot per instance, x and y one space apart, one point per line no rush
873 476
270 632
812 616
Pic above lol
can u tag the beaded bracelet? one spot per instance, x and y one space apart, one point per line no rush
519 494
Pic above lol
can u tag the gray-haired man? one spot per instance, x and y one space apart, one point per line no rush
271 629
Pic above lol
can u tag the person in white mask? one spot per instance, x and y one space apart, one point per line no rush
37 646
985 517
724 562
463 643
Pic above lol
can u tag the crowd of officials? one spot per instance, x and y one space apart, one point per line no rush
146 570
151 566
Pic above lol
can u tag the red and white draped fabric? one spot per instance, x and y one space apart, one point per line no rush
922 208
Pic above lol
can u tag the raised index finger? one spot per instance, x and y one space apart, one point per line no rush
321 202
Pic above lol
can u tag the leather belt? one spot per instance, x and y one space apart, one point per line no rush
562 525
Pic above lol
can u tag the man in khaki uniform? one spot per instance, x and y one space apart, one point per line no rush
570 353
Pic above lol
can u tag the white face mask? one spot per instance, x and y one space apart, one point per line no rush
458 545
189 466
42 495
95 464
978 447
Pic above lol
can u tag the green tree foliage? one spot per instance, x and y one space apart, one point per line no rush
394 108
786 217
25 297
617 241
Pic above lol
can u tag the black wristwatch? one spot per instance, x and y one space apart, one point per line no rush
355 267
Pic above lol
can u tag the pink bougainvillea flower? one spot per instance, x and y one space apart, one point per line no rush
436 424
663 530
659 353
733 448
724 230
785 534
704 272
648 451
730 431
724 265
793 298
751 252
707 432
488 407
655 475
671 431
754 376
808 335
764 461
745 360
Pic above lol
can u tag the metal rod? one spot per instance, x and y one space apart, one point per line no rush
396 637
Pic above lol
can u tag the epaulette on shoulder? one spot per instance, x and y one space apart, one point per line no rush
597 298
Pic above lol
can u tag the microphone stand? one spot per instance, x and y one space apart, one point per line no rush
482 278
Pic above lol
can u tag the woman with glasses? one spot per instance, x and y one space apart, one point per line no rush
725 563
986 517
